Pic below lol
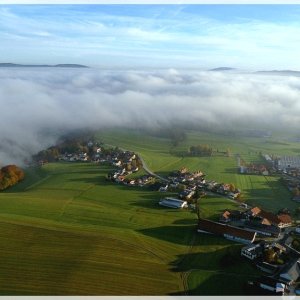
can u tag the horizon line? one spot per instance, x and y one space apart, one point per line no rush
147 2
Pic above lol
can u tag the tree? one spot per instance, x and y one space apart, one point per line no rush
10 175
201 150
232 187
133 164
128 167
270 255
296 191
228 152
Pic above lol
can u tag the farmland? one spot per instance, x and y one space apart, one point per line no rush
161 157
65 230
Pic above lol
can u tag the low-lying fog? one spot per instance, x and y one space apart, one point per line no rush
38 105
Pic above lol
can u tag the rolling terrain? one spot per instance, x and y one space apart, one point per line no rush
65 230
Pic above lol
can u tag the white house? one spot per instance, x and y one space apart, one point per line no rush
173 203
251 251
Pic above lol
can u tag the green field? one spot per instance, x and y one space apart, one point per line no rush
161 157
65 230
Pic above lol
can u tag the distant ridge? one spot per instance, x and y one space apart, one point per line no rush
222 69
280 72
11 65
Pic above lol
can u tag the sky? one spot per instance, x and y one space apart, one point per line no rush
250 37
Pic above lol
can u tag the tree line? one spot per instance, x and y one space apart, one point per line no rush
200 150
9 176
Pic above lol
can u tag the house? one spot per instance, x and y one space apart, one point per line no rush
244 205
267 268
271 285
173 203
230 215
288 162
121 178
186 194
229 232
285 220
225 217
254 211
163 188
198 174
262 229
252 251
290 272
268 218
183 170
243 169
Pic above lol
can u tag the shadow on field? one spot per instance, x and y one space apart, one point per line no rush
185 221
231 171
222 257
89 180
215 284
173 234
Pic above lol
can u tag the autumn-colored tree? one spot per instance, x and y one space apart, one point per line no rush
10 175
270 255
128 167
232 187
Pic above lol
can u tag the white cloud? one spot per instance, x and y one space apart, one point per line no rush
35 101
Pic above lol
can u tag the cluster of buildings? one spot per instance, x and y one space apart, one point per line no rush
183 176
127 162
257 169
195 181
284 164
268 245
245 226
280 264
264 223
72 157
288 162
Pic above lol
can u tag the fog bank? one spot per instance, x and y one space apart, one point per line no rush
39 105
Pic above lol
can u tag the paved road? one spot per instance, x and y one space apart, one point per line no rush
145 167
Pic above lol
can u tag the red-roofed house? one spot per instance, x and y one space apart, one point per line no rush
268 218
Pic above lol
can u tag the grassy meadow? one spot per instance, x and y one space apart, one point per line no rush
65 230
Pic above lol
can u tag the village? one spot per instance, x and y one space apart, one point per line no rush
272 240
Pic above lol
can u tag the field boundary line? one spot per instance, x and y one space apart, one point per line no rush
38 182
81 192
